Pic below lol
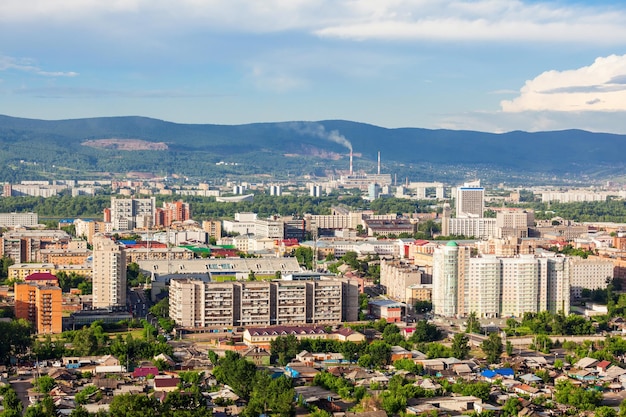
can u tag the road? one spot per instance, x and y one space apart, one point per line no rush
21 387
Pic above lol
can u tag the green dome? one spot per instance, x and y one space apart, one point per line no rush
451 243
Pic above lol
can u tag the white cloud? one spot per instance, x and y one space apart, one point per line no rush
600 86
443 20
535 121
26 65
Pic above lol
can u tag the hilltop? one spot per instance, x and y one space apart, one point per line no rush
105 146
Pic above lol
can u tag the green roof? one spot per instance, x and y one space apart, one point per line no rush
451 243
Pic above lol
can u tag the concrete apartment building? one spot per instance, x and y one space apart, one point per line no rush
176 211
25 245
109 273
131 213
493 286
591 273
18 219
195 303
41 305
396 276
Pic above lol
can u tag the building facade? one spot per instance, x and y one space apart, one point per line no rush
109 273
195 303
41 305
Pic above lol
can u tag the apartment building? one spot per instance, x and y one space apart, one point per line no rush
19 272
131 213
591 273
109 273
198 303
18 219
396 276
25 245
41 305
176 211
493 286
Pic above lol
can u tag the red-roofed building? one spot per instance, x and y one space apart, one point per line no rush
263 336
43 278
166 383
144 371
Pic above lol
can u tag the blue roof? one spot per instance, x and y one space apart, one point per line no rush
505 371
488 373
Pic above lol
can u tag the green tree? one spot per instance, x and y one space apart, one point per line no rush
134 405
284 348
492 347
511 407
304 256
44 384
460 346
473 324
380 353
237 372
425 332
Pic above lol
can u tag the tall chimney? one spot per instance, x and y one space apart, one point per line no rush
378 162
350 161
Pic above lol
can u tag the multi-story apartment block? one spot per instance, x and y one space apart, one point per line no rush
396 276
448 277
131 213
109 273
199 303
291 302
39 304
194 304
514 223
327 298
495 286
254 303
592 273
19 272
25 245
213 228
176 211
18 219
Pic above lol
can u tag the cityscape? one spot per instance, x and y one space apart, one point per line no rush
348 208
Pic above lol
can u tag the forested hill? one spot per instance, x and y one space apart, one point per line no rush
123 144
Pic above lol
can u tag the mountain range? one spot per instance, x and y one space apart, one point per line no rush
117 145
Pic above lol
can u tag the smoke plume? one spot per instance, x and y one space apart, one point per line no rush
319 131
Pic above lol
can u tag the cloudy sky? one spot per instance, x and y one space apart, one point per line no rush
492 65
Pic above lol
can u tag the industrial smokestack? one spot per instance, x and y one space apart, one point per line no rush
350 161
378 162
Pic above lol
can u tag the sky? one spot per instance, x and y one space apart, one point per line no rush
489 65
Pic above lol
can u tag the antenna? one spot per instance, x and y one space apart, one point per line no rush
378 162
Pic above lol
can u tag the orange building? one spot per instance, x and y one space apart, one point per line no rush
40 305
43 279
176 211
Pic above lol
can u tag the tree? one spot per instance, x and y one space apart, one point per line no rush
44 384
509 348
511 407
492 347
473 324
605 411
425 332
237 372
423 306
304 256
131 405
12 405
284 348
251 276
460 346
380 353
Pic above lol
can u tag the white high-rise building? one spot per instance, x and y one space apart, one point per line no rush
449 265
493 286
470 201
109 273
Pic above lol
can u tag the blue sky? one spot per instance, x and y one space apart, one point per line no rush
492 65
